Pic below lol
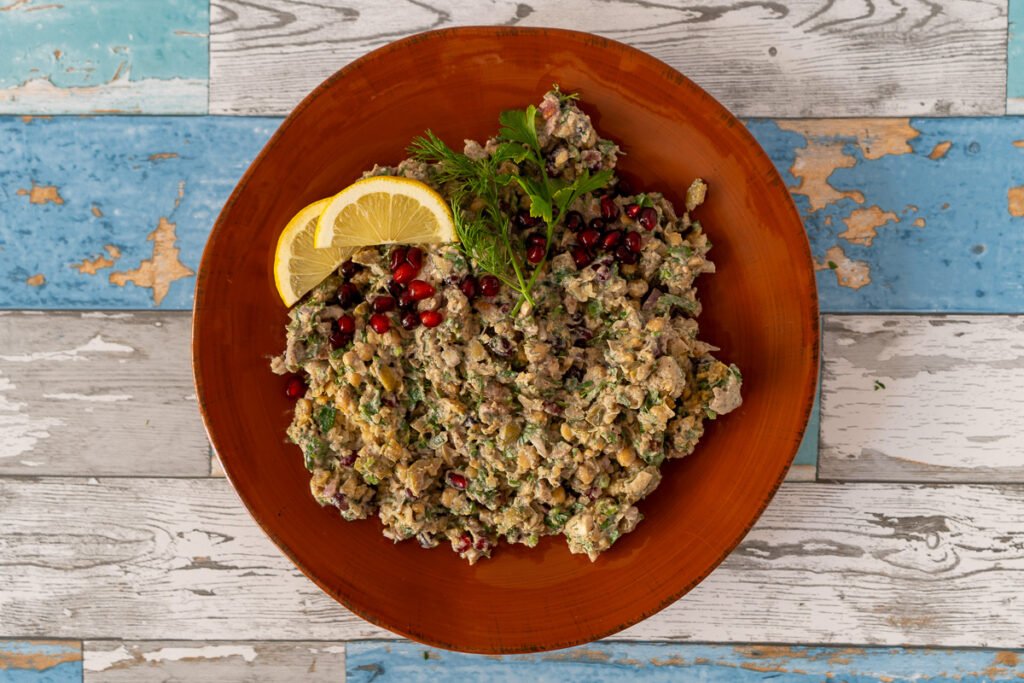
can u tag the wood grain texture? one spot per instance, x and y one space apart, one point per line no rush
854 564
112 661
1015 59
40 661
114 212
612 662
896 216
110 56
802 58
918 398
98 393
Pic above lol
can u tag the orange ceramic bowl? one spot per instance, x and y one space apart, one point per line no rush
761 309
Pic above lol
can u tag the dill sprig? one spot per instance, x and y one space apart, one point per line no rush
482 222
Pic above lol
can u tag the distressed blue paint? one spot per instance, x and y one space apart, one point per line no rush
405 662
807 454
1015 54
105 162
124 55
967 257
40 662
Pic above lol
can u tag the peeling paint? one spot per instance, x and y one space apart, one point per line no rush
919 222
37 280
162 269
96 211
1018 143
39 655
163 155
95 345
852 274
175 654
826 151
90 266
1015 200
94 398
862 224
580 655
940 150
19 431
41 194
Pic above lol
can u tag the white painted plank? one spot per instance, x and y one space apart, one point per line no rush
151 559
114 661
799 58
923 398
99 393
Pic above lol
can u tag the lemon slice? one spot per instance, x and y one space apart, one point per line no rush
298 265
384 210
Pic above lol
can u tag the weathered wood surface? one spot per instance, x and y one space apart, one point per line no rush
40 661
114 212
112 661
98 393
1015 59
916 398
872 564
612 662
111 56
800 58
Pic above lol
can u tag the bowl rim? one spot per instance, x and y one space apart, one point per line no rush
675 79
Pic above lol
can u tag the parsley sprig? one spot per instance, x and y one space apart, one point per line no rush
480 198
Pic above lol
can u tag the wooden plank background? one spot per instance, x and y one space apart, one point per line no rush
907 532
798 58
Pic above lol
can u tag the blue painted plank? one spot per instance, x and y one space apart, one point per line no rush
110 55
917 215
1015 59
40 661
908 215
807 454
79 199
394 662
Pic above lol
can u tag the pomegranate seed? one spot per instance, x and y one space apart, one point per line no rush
419 290
574 220
611 239
395 289
348 294
348 460
414 257
403 274
340 501
624 255
347 324
581 257
590 237
633 242
464 543
397 257
489 285
296 388
609 209
406 300
482 544
338 339
535 254
524 220
380 323
534 240
648 218
597 224
383 304
349 268
410 320
633 210
457 481
431 318
468 286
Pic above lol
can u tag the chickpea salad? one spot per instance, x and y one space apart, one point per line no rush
530 379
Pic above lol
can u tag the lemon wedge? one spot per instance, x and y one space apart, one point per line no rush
384 210
298 265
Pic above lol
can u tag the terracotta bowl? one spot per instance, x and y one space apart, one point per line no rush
761 309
